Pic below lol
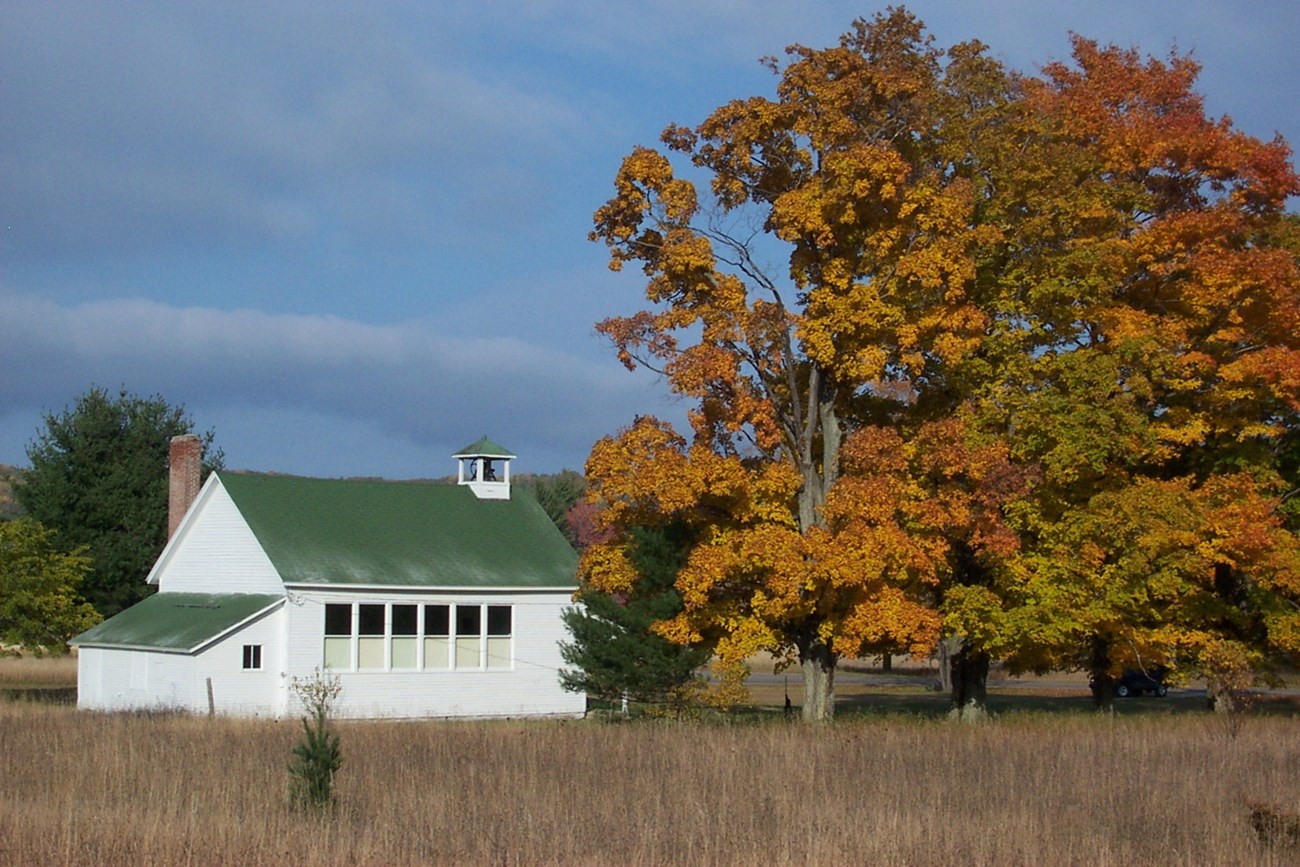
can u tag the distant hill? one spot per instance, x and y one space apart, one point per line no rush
9 507
445 480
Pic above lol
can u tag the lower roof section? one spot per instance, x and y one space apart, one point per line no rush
177 622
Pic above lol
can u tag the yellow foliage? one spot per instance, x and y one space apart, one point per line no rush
727 688
607 568
1012 308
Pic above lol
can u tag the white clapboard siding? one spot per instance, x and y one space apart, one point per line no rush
245 693
530 688
110 678
214 551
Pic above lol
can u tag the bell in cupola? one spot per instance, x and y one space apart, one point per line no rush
485 467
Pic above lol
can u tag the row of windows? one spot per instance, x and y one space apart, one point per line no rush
378 636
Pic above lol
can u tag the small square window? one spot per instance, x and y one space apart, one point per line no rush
252 657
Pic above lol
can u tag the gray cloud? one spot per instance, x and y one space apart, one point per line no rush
407 382
147 124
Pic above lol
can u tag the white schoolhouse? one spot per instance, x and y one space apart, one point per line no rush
426 600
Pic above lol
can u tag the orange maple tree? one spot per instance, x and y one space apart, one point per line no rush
1015 293
843 173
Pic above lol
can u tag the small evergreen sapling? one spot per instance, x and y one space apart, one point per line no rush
316 756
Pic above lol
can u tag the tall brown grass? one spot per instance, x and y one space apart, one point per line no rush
84 788
32 671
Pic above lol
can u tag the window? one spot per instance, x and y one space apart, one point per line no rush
338 636
374 636
468 629
370 647
437 636
499 620
498 636
404 638
252 657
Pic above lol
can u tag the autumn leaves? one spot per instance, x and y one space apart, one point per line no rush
1025 374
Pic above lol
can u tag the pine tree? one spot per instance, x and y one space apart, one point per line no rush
317 757
614 654
98 477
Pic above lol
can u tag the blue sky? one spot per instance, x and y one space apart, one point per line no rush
351 238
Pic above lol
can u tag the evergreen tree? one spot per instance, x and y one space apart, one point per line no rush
317 757
557 494
614 653
99 478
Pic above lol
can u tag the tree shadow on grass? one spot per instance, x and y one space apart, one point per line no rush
40 694
935 705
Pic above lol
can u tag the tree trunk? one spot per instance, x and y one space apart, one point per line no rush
819 472
945 664
970 674
818 665
832 436
1219 696
1100 680
969 665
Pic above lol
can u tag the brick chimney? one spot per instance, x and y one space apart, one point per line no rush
185 462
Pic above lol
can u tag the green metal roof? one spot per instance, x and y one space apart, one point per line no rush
483 447
401 534
181 622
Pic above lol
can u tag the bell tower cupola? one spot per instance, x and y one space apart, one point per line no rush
485 467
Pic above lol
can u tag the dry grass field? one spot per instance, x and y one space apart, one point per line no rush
1030 788
28 671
